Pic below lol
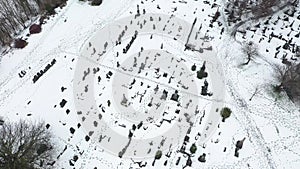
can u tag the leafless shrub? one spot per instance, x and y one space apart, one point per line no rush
25 146
250 50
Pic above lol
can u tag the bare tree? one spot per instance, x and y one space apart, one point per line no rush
250 50
254 93
25 146
289 81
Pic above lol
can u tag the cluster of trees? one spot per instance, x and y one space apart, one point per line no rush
24 145
16 15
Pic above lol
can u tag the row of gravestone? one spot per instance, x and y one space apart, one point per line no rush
42 72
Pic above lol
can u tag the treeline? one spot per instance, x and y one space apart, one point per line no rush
16 15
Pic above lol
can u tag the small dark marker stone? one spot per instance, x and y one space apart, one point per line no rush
70 162
28 102
95 123
194 67
78 125
72 130
178 160
87 138
75 158
130 134
63 89
67 111
91 133
63 103
202 158
47 126
166 162
133 127
140 125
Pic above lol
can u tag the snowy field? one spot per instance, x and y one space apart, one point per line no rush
121 87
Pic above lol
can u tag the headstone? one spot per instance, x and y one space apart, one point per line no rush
1 121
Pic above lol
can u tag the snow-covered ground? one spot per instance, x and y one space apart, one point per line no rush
73 38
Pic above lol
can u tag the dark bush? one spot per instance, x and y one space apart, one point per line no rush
20 43
225 113
193 148
35 28
158 154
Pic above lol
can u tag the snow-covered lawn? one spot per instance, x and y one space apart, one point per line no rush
73 38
